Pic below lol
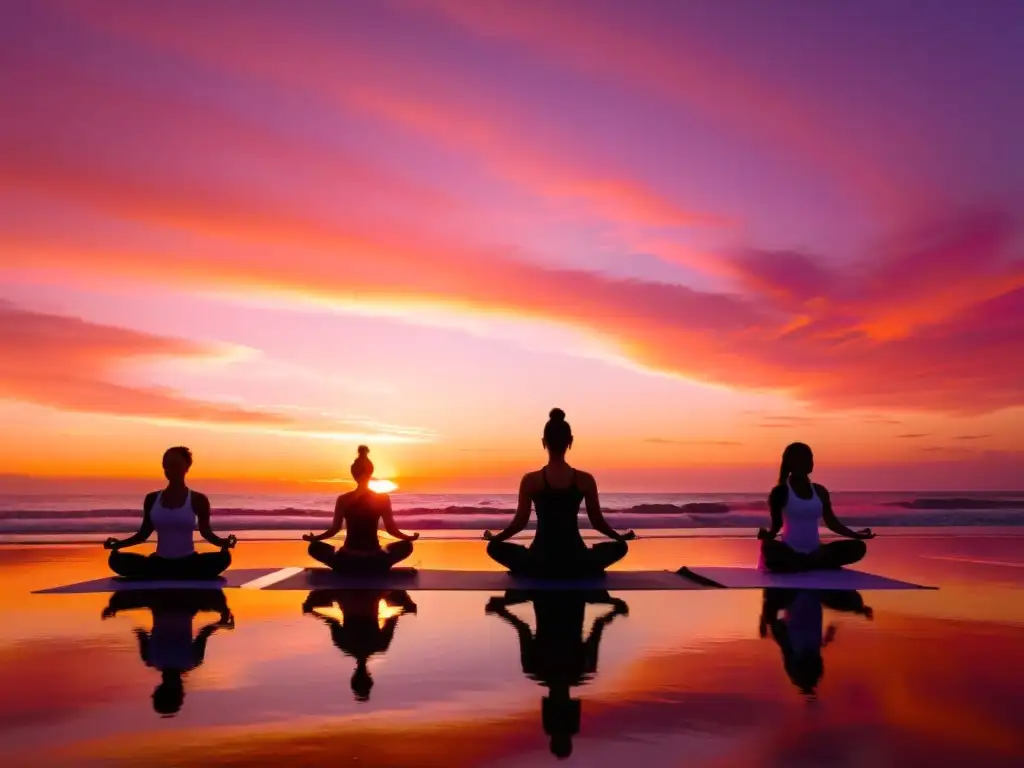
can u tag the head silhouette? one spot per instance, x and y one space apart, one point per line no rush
561 745
797 460
557 433
177 462
362 467
169 695
805 671
362 682
561 717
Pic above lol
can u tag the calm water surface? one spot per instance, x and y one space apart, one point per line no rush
448 679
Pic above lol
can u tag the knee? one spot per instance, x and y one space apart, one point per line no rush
858 549
493 547
314 548
225 558
403 548
114 561
620 548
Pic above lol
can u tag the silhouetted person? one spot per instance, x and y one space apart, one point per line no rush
361 510
173 513
796 621
797 507
360 633
170 647
556 491
556 655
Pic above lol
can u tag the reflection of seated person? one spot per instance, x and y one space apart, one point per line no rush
556 655
367 624
361 510
796 620
169 646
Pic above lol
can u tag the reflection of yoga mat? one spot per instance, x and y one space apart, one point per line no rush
752 578
231 579
482 581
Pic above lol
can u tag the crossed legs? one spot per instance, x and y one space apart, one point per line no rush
344 560
586 562
782 558
198 565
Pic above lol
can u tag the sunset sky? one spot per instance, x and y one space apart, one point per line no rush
272 231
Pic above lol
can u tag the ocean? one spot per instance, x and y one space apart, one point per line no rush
83 516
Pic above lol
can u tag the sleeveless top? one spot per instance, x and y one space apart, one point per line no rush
361 523
558 527
174 528
170 642
804 619
800 520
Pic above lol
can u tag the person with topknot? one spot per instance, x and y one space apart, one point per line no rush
361 510
557 491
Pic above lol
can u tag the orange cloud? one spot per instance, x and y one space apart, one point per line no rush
70 364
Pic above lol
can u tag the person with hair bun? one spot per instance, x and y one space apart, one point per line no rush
173 514
557 490
797 507
361 509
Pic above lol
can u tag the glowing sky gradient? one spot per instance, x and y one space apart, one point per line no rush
704 230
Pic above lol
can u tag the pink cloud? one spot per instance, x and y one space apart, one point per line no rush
681 68
957 361
71 364
412 92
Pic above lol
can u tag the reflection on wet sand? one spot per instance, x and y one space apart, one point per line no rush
170 646
556 655
366 626
795 618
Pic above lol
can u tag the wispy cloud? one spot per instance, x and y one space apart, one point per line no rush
971 437
72 364
913 435
75 365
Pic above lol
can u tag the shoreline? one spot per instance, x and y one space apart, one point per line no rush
901 532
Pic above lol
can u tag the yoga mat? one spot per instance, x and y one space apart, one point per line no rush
752 578
230 579
482 581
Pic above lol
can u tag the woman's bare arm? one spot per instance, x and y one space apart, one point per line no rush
336 525
521 517
388 515
593 502
201 506
776 503
833 523
145 529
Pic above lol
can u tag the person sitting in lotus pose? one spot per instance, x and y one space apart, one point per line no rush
557 490
797 507
361 510
173 513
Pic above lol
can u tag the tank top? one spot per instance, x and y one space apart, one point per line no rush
558 527
361 520
174 528
804 619
800 519
170 642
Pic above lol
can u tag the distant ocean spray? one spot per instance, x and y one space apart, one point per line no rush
89 515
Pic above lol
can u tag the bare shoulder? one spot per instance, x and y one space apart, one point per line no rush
200 501
150 500
821 490
779 495
585 481
531 481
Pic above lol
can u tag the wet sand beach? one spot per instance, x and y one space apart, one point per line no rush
931 678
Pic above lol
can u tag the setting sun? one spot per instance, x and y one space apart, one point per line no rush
383 486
